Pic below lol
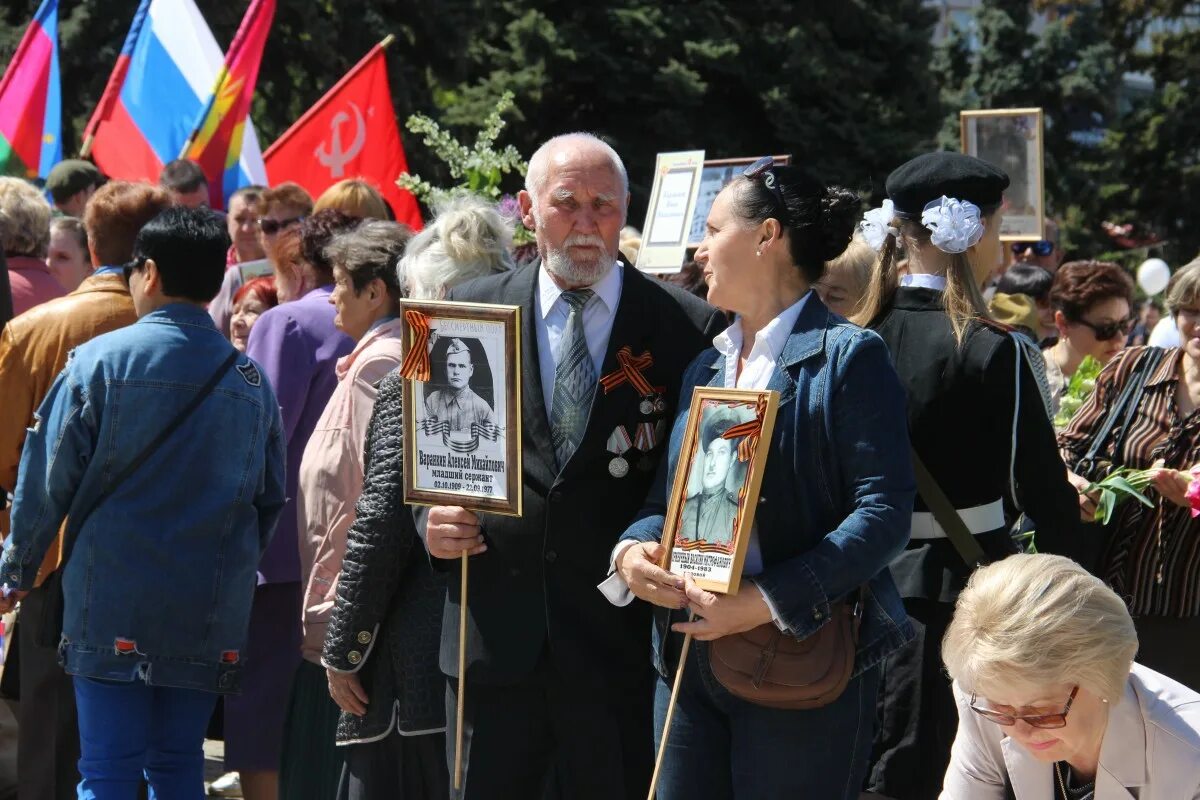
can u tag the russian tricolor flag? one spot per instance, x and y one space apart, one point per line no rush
157 90
30 103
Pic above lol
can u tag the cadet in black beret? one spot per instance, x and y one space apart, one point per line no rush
71 183
976 420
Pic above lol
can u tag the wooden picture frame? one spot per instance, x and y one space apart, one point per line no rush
715 176
462 424
717 480
1012 139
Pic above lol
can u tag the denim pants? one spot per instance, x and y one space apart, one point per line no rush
130 729
723 748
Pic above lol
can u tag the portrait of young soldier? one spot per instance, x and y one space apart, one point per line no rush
456 402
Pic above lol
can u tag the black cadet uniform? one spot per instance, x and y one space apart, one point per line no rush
978 422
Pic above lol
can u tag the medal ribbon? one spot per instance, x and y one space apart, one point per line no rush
619 441
646 436
751 429
630 370
416 361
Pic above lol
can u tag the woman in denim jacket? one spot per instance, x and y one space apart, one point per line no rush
157 587
833 510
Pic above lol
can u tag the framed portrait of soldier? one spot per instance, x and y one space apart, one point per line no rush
1011 139
717 480
462 405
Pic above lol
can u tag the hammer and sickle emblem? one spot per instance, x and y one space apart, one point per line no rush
331 154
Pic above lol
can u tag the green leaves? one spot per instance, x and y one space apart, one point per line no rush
1119 486
478 170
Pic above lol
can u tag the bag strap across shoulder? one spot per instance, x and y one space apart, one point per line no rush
75 524
947 515
1122 411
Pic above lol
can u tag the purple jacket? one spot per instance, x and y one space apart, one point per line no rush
297 346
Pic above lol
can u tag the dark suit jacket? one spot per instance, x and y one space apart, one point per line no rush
536 584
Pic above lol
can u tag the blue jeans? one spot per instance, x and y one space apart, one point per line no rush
130 729
723 748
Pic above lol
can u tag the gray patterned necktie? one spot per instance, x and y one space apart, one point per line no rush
574 380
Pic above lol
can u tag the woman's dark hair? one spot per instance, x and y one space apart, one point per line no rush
1079 285
318 231
188 245
371 251
819 219
1027 279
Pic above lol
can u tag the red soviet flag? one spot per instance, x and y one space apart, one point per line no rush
350 133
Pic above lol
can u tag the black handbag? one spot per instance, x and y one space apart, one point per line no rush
49 632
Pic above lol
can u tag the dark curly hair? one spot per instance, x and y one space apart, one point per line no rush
819 219
1080 285
316 232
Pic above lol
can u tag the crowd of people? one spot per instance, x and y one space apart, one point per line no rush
203 448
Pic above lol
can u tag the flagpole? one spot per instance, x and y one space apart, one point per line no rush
383 45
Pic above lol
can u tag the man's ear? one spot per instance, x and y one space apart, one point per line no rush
151 278
525 202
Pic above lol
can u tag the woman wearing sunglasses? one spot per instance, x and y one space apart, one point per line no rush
1051 705
977 421
1149 555
1091 302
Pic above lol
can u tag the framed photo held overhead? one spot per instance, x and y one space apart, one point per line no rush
669 215
715 176
717 480
462 405
1011 139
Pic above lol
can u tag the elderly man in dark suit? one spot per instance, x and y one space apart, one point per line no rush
557 677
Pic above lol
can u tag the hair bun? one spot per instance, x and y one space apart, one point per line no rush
840 211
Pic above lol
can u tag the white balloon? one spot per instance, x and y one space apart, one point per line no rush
1153 276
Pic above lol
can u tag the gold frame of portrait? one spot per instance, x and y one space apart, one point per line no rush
966 117
510 316
753 483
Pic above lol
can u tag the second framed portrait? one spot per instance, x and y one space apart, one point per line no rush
716 486
1011 139
462 405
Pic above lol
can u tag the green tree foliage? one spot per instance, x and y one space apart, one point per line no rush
1110 155
850 89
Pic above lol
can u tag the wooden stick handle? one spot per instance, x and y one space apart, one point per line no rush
666 734
462 675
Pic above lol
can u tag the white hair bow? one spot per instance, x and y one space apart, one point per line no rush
955 224
877 224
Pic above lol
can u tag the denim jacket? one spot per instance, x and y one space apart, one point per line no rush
836 501
162 573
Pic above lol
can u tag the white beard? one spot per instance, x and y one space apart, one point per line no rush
558 261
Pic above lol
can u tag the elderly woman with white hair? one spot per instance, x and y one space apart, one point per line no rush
381 645
1051 704
25 236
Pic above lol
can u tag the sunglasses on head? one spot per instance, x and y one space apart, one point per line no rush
761 170
1109 330
273 226
1057 720
1039 248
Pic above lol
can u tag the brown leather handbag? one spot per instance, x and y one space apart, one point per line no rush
767 667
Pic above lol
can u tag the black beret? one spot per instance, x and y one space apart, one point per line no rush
912 185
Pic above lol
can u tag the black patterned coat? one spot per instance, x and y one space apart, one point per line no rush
387 623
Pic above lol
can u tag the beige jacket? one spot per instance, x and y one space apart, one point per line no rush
1151 750
33 350
331 476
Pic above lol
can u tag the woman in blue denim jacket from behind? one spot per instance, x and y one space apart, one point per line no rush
157 587
834 508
